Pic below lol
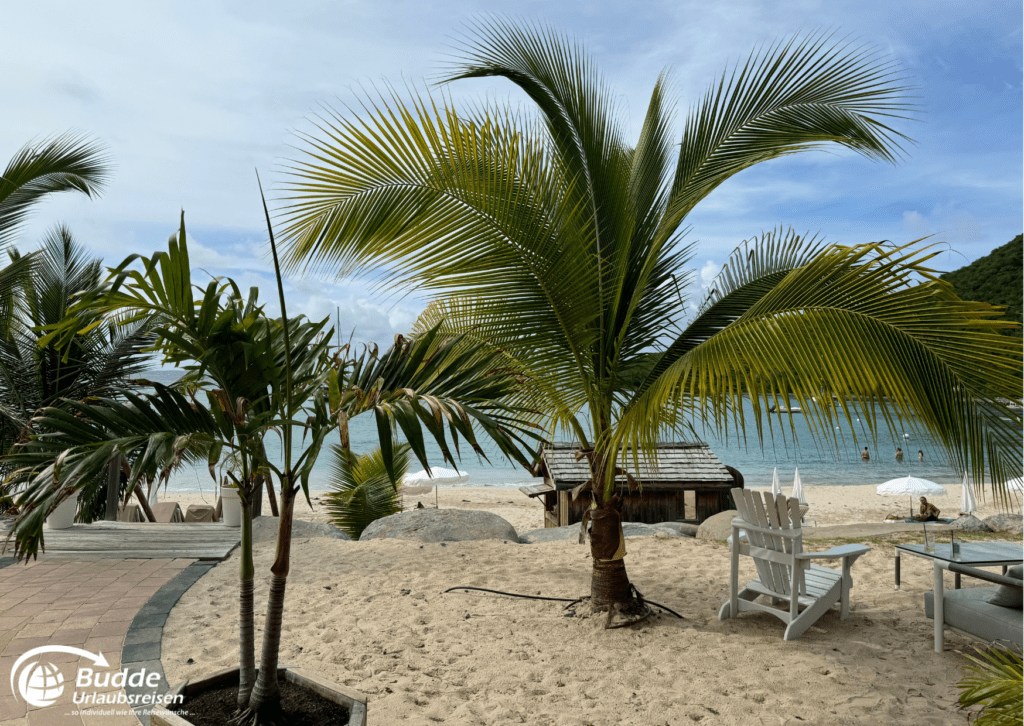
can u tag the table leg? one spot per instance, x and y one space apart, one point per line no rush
897 569
937 585
956 581
1005 568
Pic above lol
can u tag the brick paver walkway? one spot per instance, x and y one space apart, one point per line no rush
86 604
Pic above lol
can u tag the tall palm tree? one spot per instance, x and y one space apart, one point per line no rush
556 241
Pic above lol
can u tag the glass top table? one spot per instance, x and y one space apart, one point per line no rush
967 553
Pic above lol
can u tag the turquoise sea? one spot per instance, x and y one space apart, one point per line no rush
819 466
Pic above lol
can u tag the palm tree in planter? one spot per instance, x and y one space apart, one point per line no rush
556 242
456 388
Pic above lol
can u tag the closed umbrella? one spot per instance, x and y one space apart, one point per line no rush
967 503
910 486
798 487
776 488
421 482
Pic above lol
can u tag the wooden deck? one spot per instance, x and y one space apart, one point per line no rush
142 540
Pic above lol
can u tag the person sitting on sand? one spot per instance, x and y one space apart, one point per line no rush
899 454
865 455
929 512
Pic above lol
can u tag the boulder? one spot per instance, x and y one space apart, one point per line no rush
265 529
1009 523
717 528
441 525
970 523
571 533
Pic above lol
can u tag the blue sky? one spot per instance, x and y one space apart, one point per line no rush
191 98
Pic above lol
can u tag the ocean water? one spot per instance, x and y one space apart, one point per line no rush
819 465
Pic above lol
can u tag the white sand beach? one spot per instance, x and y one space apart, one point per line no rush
373 616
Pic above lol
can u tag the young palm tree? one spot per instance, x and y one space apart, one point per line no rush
557 242
361 491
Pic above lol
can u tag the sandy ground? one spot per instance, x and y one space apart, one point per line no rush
373 616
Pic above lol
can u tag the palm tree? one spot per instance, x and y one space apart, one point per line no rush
35 374
557 242
69 162
361 491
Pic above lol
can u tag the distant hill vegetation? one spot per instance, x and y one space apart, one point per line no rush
997 278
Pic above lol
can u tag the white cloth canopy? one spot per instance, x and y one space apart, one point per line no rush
910 486
776 488
967 502
798 487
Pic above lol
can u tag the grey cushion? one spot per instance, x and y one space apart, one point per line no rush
1010 597
970 611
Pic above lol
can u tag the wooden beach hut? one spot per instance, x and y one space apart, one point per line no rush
680 468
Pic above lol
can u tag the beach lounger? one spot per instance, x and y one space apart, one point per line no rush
773 537
168 512
130 513
199 513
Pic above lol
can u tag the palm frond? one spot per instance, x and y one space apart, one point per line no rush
995 681
856 327
69 162
794 96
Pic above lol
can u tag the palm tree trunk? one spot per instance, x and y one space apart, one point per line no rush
246 626
610 588
265 696
609 584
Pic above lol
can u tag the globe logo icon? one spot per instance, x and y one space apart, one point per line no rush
41 684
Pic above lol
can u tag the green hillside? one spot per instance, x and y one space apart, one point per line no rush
997 278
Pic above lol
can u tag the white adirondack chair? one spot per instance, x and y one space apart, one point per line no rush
774 538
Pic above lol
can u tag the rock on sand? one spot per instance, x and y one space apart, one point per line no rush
970 523
441 525
1009 523
265 528
717 528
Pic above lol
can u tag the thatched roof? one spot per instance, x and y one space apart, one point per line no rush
677 464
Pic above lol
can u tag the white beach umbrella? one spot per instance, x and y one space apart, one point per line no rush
910 486
421 482
1014 485
798 487
967 503
776 488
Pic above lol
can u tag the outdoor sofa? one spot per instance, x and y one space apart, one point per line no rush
992 614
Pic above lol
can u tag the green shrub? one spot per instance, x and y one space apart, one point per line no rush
360 489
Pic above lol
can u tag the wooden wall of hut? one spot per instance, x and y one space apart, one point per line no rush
649 506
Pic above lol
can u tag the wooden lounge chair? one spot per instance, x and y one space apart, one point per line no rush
772 536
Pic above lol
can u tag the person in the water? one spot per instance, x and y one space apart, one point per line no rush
865 455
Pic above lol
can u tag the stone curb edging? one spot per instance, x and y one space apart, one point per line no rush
141 647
